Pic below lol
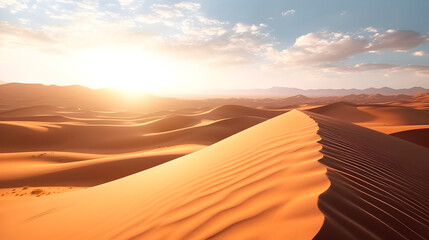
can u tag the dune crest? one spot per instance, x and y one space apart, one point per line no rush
379 184
261 183
300 175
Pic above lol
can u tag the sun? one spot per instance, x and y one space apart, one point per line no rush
125 69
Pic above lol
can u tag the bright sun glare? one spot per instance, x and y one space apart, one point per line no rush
125 70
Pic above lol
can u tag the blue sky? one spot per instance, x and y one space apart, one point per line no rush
189 46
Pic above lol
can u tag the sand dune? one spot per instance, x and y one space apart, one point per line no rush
382 118
379 184
82 170
172 123
250 185
379 114
30 111
344 111
230 111
300 175
65 151
34 131
40 136
152 176
417 136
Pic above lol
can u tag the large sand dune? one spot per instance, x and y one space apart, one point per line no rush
379 184
40 150
250 185
48 133
300 175
381 114
382 118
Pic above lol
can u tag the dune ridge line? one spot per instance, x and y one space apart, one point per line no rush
379 184
299 175
261 183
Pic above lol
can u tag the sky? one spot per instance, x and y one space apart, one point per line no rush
191 46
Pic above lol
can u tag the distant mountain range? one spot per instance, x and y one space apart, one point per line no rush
285 91
18 95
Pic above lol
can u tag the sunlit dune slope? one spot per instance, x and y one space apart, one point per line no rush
42 136
300 175
262 183
52 150
379 184
229 111
66 169
33 130
30 111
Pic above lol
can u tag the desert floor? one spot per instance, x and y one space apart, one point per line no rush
326 171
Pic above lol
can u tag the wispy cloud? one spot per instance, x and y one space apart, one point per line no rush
182 30
371 29
288 12
14 6
419 53
420 70
244 28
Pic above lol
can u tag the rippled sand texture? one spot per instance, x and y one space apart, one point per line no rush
262 183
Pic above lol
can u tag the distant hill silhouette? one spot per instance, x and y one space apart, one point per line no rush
21 95
285 91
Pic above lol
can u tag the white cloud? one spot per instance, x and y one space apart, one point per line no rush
320 47
14 5
326 47
125 3
199 29
20 36
164 12
191 6
359 67
419 53
371 29
420 70
288 12
244 28
191 34
24 21
397 40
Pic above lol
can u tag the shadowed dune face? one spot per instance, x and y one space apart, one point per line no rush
417 136
253 185
379 184
382 118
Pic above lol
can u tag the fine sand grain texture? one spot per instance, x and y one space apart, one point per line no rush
262 183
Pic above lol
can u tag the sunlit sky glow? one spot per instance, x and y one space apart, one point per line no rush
186 47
